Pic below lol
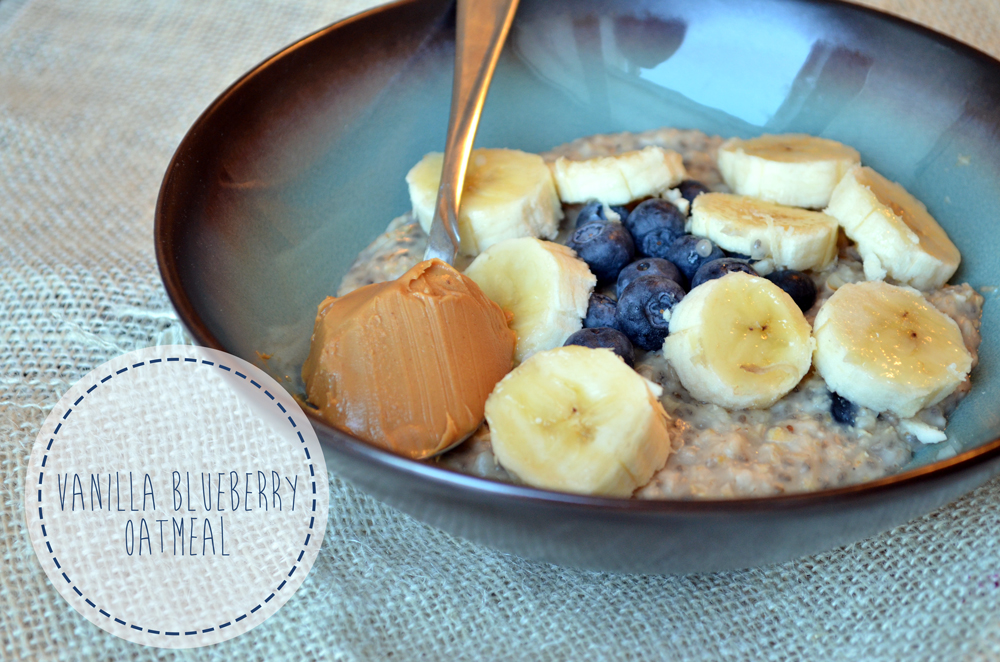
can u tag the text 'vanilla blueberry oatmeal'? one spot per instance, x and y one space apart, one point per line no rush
693 317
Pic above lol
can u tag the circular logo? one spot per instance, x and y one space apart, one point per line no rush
176 496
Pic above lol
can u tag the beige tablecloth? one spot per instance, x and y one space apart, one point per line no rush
94 97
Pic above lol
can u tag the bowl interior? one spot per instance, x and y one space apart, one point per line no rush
301 164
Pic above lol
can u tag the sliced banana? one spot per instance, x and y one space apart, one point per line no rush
618 179
886 348
507 194
541 284
739 342
791 169
578 419
792 238
894 233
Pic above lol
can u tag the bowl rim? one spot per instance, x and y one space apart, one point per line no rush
443 477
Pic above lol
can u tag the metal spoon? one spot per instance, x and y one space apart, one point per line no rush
481 28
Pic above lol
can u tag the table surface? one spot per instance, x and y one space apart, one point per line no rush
94 98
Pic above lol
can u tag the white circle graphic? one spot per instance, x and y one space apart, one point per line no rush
176 496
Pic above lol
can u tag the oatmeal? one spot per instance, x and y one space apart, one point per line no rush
794 445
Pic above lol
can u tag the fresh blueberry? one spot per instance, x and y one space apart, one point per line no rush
691 189
605 337
798 286
641 308
594 210
649 266
652 215
690 252
657 243
719 268
843 410
738 256
605 247
600 312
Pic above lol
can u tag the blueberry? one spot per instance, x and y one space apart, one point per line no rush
843 410
605 247
649 266
657 243
691 189
719 268
689 252
600 312
738 256
652 215
594 211
605 337
641 308
798 286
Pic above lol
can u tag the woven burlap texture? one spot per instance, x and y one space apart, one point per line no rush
94 98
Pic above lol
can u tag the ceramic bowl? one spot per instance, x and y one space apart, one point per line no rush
300 164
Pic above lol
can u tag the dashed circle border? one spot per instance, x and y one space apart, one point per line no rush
312 520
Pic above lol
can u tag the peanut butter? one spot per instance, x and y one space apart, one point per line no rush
407 364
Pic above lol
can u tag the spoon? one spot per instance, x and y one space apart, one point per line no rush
481 28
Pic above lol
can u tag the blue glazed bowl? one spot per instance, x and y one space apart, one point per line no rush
300 164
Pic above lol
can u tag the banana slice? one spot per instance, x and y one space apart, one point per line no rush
792 169
541 284
739 342
793 238
618 179
885 348
578 419
507 194
894 233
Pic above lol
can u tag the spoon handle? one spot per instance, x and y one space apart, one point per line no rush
481 27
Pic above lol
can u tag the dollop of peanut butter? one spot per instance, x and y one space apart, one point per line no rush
408 364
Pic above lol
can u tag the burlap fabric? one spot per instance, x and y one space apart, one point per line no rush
94 97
